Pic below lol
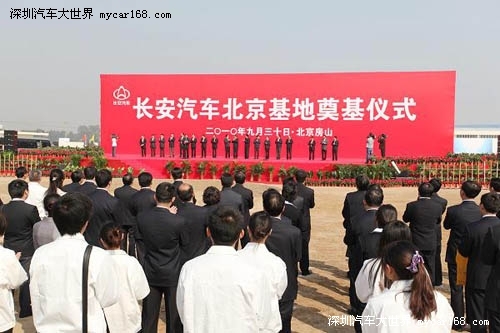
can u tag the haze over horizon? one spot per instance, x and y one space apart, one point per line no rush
50 68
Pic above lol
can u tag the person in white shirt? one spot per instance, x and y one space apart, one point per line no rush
124 316
217 291
56 274
46 231
410 303
12 275
36 192
370 139
255 253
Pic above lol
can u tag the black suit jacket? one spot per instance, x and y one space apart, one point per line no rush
443 202
369 244
176 184
87 188
359 227
285 242
125 193
105 208
247 196
308 195
196 222
20 220
491 256
165 237
141 201
228 197
296 217
353 206
70 188
457 217
423 216
471 247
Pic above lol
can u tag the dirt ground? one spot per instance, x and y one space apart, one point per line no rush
324 293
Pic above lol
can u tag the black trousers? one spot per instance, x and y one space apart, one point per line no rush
235 152
227 152
304 260
474 303
171 151
286 311
162 152
153 152
429 262
335 155
256 152
267 153
494 318
278 153
214 152
128 241
457 293
203 151
151 310
323 154
438 268
24 291
143 151
193 152
311 154
289 153
247 152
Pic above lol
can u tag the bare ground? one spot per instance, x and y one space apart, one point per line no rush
324 293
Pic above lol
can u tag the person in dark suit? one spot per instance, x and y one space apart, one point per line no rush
495 188
203 142
152 145
124 195
285 242
227 146
279 143
370 243
76 181
247 196
289 145
142 144
381 144
18 237
171 145
193 142
215 143
256 147
105 208
491 256
181 145
267 147
312 148
196 223
423 215
176 174
185 146
88 185
335 149
247 146
438 272
235 142
324 147
211 199
477 271
161 142
228 197
165 239
308 195
296 216
457 217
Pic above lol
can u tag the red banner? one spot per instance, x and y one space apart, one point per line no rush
415 110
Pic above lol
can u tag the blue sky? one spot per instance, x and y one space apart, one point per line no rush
50 68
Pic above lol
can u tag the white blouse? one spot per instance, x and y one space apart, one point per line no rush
368 282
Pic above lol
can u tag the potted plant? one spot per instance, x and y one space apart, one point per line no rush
226 168
186 168
213 169
270 170
202 166
282 173
257 170
169 166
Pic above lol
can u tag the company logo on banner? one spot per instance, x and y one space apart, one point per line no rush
403 106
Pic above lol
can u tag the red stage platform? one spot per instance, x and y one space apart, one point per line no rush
157 166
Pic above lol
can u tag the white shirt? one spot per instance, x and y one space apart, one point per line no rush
368 282
369 142
389 312
274 270
35 197
45 232
219 293
12 275
56 286
114 142
125 316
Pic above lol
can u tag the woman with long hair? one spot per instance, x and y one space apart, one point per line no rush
410 303
56 180
124 316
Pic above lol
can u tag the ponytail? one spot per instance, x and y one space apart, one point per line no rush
422 299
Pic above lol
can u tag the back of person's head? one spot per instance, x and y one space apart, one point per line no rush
471 188
393 231
425 190
145 179
17 188
103 178
495 184
273 202
300 176
375 186
385 214
49 201
289 190
490 202
185 192
127 179
225 226
3 224
239 177
56 180
226 180
176 173
89 172
21 172
71 212
35 175
374 197
77 176
165 192
111 236
260 225
407 264
362 182
436 184
211 196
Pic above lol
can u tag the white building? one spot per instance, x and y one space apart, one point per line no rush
484 140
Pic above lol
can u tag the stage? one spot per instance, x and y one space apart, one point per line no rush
157 166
